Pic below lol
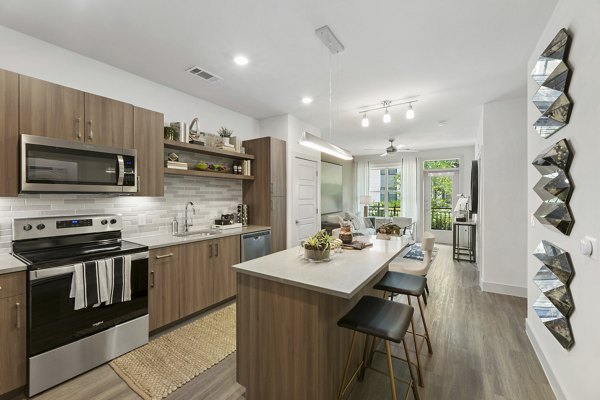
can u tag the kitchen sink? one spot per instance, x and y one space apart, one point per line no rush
201 233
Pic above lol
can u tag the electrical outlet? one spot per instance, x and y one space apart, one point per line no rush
532 222
141 219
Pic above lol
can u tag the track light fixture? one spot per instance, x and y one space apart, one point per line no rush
385 105
410 113
386 116
365 121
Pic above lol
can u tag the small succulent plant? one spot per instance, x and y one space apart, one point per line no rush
320 241
224 132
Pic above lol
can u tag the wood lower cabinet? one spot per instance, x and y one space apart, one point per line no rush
108 122
9 133
148 141
189 278
163 286
13 319
196 277
47 109
226 252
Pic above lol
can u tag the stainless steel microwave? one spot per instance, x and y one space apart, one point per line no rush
55 165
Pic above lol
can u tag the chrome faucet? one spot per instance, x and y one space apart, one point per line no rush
186 224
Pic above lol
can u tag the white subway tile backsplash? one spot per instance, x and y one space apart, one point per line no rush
211 197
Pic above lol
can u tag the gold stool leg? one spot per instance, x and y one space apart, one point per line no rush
414 335
412 376
361 375
391 368
425 326
347 365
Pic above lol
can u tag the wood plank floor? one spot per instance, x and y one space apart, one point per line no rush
480 349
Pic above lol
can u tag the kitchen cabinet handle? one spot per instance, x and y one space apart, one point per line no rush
210 251
272 204
216 249
164 256
18 308
91 135
272 187
78 131
151 279
139 188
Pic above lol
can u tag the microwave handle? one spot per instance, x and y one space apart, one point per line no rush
121 170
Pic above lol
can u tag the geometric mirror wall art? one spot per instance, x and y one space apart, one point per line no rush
554 306
555 187
552 73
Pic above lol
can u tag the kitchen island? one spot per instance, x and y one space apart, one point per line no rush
288 343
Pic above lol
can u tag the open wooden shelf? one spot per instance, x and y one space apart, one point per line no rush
218 175
195 148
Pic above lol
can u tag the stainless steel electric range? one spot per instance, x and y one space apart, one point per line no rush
63 342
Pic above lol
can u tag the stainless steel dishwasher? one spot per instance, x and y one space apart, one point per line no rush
256 245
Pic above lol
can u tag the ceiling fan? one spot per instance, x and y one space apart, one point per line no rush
391 150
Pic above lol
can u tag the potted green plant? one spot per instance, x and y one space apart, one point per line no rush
318 246
225 134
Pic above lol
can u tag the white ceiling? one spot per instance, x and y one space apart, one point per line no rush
456 55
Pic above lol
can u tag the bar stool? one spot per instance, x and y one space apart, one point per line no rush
381 319
409 285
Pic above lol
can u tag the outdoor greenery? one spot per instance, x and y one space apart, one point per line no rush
441 164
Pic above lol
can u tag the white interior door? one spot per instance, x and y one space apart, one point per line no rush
439 199
305 205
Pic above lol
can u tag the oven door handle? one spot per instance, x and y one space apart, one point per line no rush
68 269
121 170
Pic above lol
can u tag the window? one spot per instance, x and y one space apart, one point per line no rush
442 164
385 191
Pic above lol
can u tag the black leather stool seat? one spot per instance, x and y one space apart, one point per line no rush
399 282
378 317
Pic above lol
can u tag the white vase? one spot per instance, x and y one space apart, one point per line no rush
225 140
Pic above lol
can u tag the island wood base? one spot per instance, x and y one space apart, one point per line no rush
288 343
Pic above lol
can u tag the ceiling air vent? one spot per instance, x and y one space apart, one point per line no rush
204 74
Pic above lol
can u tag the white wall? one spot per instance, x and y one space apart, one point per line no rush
574 373
502 215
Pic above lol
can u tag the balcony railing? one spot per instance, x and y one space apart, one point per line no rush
378 210
441 218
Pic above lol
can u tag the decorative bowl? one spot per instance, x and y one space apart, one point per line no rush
316 255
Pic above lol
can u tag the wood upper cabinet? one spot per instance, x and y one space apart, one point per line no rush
13 319
196 277
47 109
163 286
278 167
148 141
9 133
225 252
108 122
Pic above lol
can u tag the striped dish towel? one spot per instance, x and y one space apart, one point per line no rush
89 286
118 279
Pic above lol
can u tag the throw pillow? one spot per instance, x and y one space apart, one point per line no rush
358 222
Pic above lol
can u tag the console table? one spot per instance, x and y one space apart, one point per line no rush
459 252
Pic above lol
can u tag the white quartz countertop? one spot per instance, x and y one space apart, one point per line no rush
158 241
344 276
9 264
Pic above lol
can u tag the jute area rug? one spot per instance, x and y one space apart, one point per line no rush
165 364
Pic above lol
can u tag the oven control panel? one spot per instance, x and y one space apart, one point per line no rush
73 223
42 227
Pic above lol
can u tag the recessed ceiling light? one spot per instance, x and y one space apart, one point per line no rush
307 100
240 60
442 123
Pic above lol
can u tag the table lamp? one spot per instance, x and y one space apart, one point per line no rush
365 201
